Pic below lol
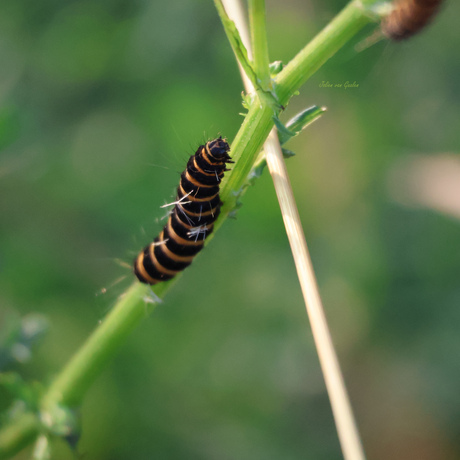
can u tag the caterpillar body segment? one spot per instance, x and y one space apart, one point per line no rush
192 220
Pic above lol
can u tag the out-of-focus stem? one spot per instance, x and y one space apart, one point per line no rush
341 407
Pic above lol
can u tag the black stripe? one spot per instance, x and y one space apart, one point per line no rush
219 148
166 261
151 269
140 277
205 165
197 191
179 227
195 221
181 249
203 178
198 233
197 207
210 160
189 234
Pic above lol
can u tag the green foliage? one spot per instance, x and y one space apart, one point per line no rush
296 124
18 336
237 45
225 368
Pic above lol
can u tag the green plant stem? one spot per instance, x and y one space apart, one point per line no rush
259 120
18 434
72 383
259 42
236 43
338 32
74 380
245 147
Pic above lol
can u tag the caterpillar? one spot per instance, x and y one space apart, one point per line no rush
409 17
197 207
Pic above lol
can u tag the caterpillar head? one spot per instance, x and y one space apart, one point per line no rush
218 149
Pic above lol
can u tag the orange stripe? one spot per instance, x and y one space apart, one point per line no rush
199 214
140 268
194 198
191 227
157 264
180 240
201 170
195 182
208 154
175 257
188 227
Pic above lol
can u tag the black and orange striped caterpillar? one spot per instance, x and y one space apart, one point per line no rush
197 207
409 17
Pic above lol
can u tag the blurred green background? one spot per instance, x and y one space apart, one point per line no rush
101 105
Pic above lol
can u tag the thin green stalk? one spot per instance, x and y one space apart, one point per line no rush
336 34
259 120
74 380
259 42
72 383
236 43
245 147
18 434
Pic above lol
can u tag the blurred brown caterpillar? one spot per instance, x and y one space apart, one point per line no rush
409 17
197 207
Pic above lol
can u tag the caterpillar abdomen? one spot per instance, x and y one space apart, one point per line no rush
409 17
191 221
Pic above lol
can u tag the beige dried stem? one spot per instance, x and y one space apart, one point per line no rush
341 407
